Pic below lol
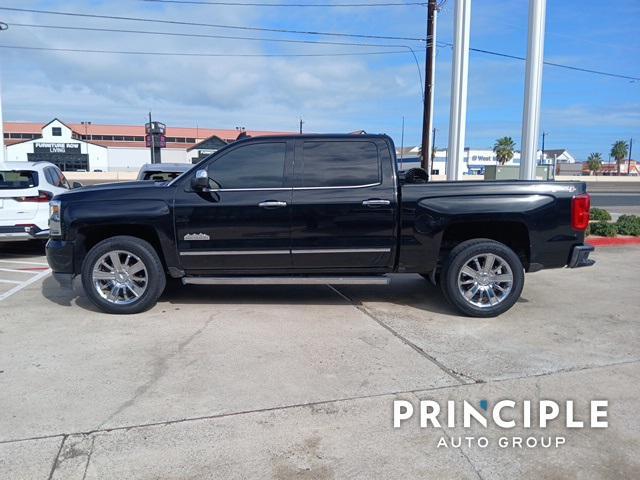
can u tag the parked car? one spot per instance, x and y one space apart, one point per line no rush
25 191
162 172
314 209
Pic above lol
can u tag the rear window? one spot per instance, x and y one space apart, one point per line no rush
14 179
161 176
339 164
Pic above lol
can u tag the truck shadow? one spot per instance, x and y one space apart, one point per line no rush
405 290
66 297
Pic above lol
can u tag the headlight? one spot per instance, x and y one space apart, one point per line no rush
55 218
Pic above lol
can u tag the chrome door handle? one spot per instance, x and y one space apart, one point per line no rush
376 203
272 204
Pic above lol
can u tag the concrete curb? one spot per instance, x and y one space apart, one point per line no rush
612 241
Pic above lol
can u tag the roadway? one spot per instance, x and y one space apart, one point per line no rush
617 198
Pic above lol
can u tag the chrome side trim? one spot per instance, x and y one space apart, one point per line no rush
283 252
342 250
267 280
275 189
236 252
339 187
291 188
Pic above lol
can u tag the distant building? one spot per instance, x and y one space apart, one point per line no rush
205 148
476 159
74 146
556 156
59 144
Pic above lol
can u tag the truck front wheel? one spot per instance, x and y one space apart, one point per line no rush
482 278
123 275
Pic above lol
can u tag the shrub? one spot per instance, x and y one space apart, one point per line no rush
603 229
599 214
628 225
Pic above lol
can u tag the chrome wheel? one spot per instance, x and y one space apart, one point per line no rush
120 277
485 280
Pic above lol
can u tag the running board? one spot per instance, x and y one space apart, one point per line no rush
278 280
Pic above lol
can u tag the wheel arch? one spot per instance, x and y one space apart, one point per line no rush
513 234
90 236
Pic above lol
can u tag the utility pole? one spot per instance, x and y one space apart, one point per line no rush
433 146
429 83
301 122
629 160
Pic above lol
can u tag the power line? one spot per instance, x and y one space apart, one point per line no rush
260 4
193 54
554 64
301 32
213 25
229 37
203 35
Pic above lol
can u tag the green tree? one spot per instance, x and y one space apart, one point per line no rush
504 148
619 151
594 162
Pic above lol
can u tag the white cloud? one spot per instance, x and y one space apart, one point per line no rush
266 93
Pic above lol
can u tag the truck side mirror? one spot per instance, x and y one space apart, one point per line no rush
201 180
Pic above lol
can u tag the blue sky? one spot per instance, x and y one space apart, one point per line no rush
581 112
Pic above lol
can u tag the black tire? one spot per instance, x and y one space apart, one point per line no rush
155 278
466 252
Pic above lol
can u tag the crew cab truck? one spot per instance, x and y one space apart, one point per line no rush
314 209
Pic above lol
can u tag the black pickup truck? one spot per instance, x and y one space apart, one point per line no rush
314 209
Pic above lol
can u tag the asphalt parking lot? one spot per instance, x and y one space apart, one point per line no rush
299 382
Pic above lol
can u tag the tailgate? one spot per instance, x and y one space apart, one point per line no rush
18 205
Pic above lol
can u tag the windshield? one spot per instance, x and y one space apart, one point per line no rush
16 179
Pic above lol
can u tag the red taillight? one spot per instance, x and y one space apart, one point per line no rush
41 198
580 206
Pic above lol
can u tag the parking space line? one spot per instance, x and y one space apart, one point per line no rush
24 284
21 262
10 281
30 272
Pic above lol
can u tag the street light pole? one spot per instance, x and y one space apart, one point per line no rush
3 26
2 151
402 144
459 78
629 160
532 89
152 142
542 159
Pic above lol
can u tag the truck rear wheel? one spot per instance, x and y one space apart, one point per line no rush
123 275
482 278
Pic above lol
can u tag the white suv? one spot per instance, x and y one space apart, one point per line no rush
25 191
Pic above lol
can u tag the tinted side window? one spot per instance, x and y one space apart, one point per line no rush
63 180
251 166
49 175
339 164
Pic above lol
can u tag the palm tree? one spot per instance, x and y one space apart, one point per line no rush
619 151
503 149
594 162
